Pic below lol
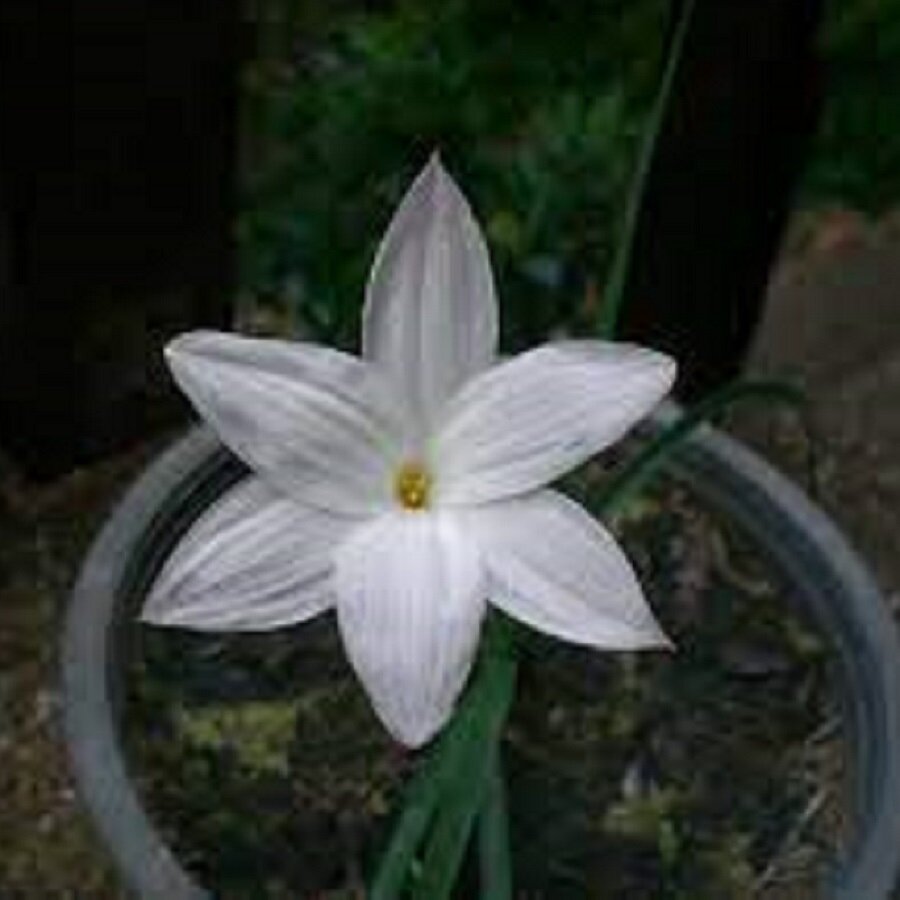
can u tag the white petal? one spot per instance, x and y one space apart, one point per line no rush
431 315
531 419
555 568
410 600
317 423
253 561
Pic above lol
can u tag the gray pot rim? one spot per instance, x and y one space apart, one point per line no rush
830 579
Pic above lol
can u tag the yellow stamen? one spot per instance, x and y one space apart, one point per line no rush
412 484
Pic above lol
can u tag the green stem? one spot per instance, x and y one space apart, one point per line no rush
614 291
493 841
464 796
421 801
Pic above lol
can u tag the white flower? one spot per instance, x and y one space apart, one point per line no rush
406 489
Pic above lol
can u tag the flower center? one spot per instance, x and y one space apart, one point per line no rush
412 485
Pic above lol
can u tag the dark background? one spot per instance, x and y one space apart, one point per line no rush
117 144
119 183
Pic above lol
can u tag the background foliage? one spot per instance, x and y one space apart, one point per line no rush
535 106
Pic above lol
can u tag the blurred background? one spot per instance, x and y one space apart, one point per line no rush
234 164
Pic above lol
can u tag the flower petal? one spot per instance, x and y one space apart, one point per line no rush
531 419
410 600
316 423
253 561
555 568
430 318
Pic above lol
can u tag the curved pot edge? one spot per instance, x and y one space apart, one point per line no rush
146 864
875 860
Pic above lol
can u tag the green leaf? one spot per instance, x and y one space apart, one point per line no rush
493 841
614 292
448 764
422 799
652 458
476 764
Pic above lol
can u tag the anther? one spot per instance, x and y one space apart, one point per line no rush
412 485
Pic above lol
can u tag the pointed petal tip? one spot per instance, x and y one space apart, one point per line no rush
415 735
648 635
150 616
664 642
171 619
435 165
175 347
190 343
657 364
159 610
439 180
194 341
668 366
643 638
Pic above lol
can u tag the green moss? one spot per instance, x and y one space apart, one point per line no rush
645 817
258 733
